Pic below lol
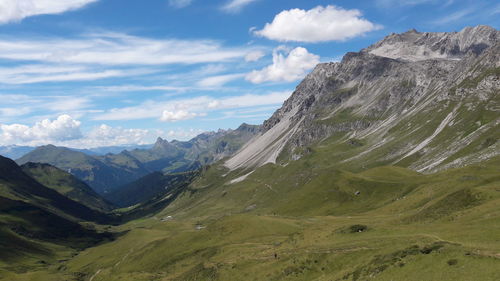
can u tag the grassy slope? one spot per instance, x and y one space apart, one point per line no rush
101 173
148 187
67 185
443 226
17 185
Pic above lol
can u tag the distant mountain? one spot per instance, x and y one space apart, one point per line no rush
66 184
111 149
14 151
214 146
148 187
108 172
101 174
15 184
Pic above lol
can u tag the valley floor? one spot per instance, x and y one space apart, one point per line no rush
439 227
248 247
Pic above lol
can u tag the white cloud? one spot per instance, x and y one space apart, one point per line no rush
174 116
112 55
16 10
392 3
141 88
13 105
234 6
105 135
251 100
14 111
320 24
453 17
67 103
61 129
198 105
285 68
184 134
118 49
29 74
219 80
254 56
65 131
179 3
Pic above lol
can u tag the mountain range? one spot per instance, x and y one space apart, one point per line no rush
427 101
111 171
383 166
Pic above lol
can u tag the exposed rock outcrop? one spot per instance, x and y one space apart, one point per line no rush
422 100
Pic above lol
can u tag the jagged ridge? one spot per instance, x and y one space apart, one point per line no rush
400 101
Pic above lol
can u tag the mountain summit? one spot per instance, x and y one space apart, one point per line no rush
415 46
426 101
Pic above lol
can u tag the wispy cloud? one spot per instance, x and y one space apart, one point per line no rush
20 105
16 10
392 3
453 17
111 55
219 80
197 105
179 3
495 10
29 74
235 6
119 49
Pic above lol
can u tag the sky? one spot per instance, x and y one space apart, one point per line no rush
93 73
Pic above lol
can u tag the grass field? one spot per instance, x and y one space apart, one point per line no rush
305 222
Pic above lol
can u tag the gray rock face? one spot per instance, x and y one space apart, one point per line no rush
422 100
415 46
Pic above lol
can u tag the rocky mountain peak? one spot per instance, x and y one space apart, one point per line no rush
161 143
408 99
417 46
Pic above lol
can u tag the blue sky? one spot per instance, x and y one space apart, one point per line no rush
88 73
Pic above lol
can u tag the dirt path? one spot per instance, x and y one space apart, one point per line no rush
117 264
93 276
124 257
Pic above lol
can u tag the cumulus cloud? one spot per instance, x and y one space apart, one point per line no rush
65 131
174 116
61 129
254 56
285 68
179 3
16 10
320 24
234 6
